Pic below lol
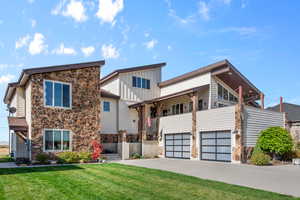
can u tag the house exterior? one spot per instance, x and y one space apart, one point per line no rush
54 109
211 113
292 116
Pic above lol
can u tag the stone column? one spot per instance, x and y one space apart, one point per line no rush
125 145
194 98
237 155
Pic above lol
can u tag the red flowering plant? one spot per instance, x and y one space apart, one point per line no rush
97 150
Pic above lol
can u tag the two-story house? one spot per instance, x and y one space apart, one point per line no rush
54 109
211 113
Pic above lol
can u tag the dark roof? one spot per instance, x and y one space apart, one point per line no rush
37 70
131 69
17 123
107 94
292 111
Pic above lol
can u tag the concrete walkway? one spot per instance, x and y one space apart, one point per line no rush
279 179
8 165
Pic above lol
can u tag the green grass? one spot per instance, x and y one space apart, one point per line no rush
116 181
5 159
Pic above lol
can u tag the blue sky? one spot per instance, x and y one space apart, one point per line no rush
261 38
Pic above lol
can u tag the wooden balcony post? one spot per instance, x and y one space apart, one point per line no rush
281 105
262 101
241 95
194 99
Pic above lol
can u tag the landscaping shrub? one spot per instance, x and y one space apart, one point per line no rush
85 156
68 157
260 158
136 156
42 158
20 161
275 141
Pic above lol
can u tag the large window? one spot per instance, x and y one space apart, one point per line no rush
224 94
57 94
106 106
177 109
57 140
139 82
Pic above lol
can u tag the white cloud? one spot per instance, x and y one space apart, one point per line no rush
30 1
244 31
109 9
33 23
1 21
74 9
147 34
109 51
181 20
204 10
151 44
62 50
87 51
37 45
22 41
6 78
169 47
243 3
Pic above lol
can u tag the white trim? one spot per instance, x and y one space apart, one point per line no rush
53 106
70 135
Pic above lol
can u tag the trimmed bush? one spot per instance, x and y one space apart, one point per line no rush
42 158
276 141
68 157
260 158
136 156
85 156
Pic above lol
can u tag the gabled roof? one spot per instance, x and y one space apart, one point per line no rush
30 71
222 66
131 69
107 94
292 110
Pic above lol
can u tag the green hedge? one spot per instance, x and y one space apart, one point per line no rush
275 141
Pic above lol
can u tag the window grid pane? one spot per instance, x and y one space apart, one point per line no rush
66 96
106 106
48 140
57 94
138 80
57 140
48 93
66 140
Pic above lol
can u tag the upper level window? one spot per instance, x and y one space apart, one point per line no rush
57 140
57 94
106 106
177 109
140 82
224 94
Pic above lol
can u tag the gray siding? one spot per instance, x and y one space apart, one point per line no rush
218 119
256 120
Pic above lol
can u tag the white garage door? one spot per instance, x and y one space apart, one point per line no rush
178 145
216 146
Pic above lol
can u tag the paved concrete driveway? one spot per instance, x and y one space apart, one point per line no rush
280 179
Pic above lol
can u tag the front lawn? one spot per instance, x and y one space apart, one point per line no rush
116 181
5 158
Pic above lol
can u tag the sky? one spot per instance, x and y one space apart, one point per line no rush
260 38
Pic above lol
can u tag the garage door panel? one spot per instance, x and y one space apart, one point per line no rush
208 156
169 148
216 146
177 142
223 149
169 142
177 145
186 155
209 142
224 142
224 157
186 148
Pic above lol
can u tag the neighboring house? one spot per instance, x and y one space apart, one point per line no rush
210 113
54 109
292 116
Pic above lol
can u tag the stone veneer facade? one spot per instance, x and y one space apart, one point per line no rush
83 119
